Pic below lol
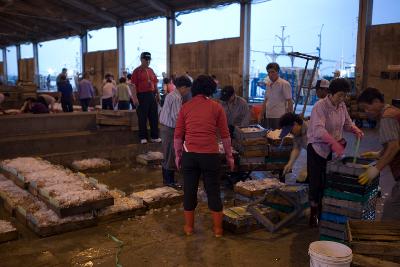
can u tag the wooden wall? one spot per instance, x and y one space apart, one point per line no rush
383 49
26 70
223 58
99 63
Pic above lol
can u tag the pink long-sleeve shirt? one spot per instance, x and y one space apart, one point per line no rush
327 119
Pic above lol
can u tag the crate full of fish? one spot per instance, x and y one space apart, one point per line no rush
249 132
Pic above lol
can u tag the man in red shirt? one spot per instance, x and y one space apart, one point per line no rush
145 98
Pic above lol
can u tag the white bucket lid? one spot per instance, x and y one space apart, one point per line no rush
329 249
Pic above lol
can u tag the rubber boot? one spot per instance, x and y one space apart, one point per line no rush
217 219
189 222
314 216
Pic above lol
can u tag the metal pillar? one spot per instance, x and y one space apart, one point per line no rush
5 65
121 49
170 40
84 49
245 16
18 50
36 63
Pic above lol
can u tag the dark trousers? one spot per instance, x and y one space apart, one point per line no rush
123 105
316 170
67 106
168 176
85 103
147 109
107 103
195 165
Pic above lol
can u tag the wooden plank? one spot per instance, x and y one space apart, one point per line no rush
382 225
122 215
376 248
45 231
364 261
76 210
394 232
374 237
8 236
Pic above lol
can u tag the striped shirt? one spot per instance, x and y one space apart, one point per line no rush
389 128
172 105
237 111
327 119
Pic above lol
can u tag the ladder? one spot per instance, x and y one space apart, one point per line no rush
308 87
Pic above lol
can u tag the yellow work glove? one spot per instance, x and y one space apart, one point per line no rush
371 154
370 174
302 175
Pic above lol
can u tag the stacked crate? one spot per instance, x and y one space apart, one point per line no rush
278 150
251 143
345 199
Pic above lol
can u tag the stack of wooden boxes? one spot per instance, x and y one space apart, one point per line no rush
344 198
279 151
251 143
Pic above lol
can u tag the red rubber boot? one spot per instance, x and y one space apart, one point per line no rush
189 222
217 219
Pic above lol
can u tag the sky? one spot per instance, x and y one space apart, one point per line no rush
303 20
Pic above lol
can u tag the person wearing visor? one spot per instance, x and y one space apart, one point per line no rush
236 109
329 117
371 100
145 97
291 123
321 88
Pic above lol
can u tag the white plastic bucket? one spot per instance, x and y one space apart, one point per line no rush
329 254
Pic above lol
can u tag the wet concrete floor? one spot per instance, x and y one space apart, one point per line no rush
156 239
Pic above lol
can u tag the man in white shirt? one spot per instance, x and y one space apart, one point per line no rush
278 98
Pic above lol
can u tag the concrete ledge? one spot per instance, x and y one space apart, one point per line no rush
30 124
36 145
118 155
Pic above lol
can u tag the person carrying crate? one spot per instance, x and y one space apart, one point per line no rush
372 102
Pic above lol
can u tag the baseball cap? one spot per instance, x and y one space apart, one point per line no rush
226 93
145 55
285 131
321 84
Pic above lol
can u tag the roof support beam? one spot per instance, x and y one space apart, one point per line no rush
158 5
92 10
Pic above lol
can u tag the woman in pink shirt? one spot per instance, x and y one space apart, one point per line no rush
329 117
200 122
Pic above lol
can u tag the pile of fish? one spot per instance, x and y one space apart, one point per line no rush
251 129
35 210
152 195
62 186
121 203
257 185
93 163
